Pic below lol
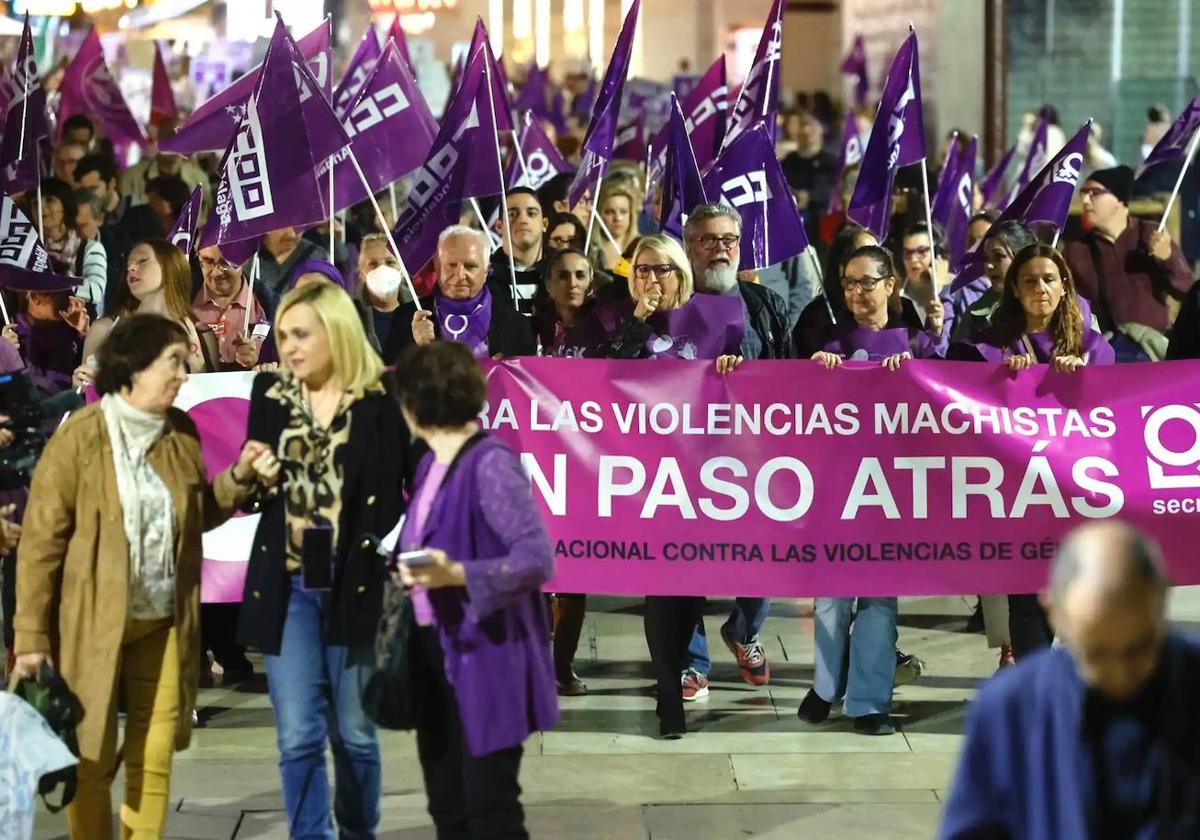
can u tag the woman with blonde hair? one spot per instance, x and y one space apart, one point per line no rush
617 205
158 281
314 582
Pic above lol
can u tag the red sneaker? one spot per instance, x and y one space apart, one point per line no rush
695 685
751 659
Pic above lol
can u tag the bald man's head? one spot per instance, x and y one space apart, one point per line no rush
1107 602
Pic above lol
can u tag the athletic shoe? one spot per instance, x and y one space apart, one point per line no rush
909 668
695 685
874 725
751 658
813 709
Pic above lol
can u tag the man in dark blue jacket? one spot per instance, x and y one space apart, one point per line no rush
1097 738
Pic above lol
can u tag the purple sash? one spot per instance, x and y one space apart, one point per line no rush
705 327
1095 349
465 321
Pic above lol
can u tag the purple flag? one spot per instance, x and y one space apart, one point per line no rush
704 111
992 186
897 139
683 188
855 64
391 131
212 124
558 111
943 198
162 98
24 261
357 72
602 130
581 105
850 155
958 182
758 99
1173 145
630 142
542 159
25 120
396 34
533 92
88 88
747 176
1047 199
183 235
268 174
495 70
1035 159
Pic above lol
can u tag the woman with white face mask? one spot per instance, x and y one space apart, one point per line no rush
380 282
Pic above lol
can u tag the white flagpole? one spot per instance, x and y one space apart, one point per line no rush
587 245
1057 232
933 255
332 215
612 240
520 156
483 225
812 255
383 223
250 295
649 160
1187 162
512 263
41 230
392 198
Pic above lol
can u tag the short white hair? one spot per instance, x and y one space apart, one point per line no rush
466 230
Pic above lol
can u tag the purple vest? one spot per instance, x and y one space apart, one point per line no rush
495 632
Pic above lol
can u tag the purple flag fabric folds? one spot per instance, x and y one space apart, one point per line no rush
268 174
533 93
183 235
897 139
747 176
850 155
855 64
357 72
25 122
1173 145
992 186
581 105
704 110
24 261
956 189
162 98
542 159
759 97
683 187
391 131
943 197
1035 159
630 142
211 125
396 34
88 88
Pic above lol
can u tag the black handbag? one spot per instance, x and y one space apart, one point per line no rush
390 698
52 699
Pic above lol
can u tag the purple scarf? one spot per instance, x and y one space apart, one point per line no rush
465 321
705 327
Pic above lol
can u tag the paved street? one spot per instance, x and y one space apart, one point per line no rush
750 770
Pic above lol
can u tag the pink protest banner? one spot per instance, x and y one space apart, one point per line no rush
785 479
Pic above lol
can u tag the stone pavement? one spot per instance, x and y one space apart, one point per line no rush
750 769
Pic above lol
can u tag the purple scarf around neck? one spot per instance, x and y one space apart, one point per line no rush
466 321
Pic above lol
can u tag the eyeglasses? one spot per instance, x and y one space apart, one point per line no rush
1092 192
660 271
710 241
215 265
923 251
561 242
863 284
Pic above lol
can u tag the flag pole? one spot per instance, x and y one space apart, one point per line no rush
812 255
929 223
1187 162
38 163
512 263
520 156
649 159
383 223
612 240
250 295
483 225
392 198
587 245
332 215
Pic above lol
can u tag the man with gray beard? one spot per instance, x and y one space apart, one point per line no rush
711 235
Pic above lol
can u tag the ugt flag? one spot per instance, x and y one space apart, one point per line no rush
747 176
1173 145
357 72
759 96
268 174
25 122
88 88
183 235
210 126
24 261
897 139
683 188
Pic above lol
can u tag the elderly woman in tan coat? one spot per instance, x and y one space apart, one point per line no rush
108 572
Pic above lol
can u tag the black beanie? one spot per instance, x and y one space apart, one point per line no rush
1118 181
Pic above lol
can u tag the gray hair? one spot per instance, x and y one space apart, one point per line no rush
466 230
85 196
704 212
1136 556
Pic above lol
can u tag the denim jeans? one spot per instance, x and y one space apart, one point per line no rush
316 692
856 653
745 620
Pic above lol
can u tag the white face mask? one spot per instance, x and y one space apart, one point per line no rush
384 281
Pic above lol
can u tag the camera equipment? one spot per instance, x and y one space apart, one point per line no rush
26 413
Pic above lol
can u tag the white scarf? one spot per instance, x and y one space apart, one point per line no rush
146 505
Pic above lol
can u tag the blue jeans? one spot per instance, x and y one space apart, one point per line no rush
745 620
860 665
316 692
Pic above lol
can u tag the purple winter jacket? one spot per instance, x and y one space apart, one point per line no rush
495 632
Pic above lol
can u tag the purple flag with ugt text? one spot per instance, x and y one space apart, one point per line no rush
759 97
683 187
541 159
606 113
183 235
897 139
25 122
268 176
747 176
357 72
24 261
850 155
212 124
855 64
88 88
960 198
1173 145
391 131
992 186
162 98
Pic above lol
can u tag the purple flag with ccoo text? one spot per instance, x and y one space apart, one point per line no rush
1172 146
396 33
759 97
24 261
850 155
630 142
897 139
747 176
357 72
704 114
683 186
88 88
1036 157
25 122
959 198
943 197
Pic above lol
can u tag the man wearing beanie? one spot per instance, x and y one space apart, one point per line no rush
1133 274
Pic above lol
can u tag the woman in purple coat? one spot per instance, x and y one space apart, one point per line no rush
482 646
